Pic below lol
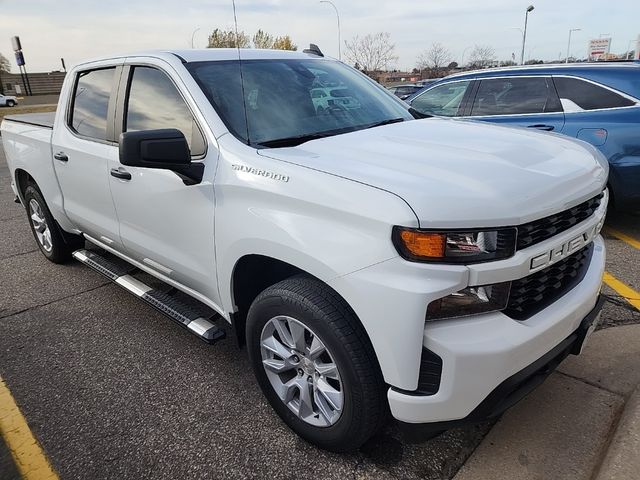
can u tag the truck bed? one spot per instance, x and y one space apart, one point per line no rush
38 119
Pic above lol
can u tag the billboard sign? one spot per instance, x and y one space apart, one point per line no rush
599 48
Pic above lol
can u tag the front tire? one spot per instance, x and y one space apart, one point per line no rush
45 229
11 103
315 364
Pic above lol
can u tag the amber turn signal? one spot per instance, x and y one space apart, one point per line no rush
424 244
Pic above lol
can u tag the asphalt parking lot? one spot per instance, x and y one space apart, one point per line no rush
112 389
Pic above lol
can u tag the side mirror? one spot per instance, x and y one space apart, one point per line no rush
165 149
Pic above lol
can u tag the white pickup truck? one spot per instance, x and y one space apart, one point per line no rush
372 262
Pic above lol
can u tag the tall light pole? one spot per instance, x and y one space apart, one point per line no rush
569 42
524 34
338 18
193 35
626 57
462 59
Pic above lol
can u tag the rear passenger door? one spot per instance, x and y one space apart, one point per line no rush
593 112
83 145
165 224
524 101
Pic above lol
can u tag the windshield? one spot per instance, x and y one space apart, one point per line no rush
289 102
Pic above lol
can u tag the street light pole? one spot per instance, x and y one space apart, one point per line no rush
569 43
338 18
193 35
626 56
530 8
462 59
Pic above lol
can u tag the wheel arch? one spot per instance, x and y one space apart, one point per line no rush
22 179
253 273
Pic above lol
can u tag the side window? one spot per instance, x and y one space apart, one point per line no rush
587 96
509 96
154 102
443 100
91 102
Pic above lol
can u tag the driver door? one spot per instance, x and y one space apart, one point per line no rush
165 224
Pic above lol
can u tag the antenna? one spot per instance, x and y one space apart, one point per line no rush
244 98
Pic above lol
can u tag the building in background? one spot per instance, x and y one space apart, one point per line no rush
41 83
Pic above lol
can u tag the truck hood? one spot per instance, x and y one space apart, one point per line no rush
456 173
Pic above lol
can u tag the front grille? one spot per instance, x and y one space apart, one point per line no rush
532 294
544 228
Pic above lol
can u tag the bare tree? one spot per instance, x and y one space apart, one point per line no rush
434 58
371 53
5 66
228 39
482 56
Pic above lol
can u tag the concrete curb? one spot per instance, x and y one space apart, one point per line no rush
583 423
622 459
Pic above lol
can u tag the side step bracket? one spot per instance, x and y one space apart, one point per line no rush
119 272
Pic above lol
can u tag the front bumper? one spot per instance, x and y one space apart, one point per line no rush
514 388
480 353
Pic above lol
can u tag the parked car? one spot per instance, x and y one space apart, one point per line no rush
598 103
8 101
406 90
369 261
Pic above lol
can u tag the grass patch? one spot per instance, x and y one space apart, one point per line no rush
6 111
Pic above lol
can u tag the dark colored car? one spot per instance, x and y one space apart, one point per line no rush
598 103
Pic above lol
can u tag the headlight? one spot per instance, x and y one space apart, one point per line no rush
454 246
470 301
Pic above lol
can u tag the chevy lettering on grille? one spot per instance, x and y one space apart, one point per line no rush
564 250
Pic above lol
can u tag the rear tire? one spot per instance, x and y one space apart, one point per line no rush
345 402
47 233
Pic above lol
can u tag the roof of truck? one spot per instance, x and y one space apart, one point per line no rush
213 54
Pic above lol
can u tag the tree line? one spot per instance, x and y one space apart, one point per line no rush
230 39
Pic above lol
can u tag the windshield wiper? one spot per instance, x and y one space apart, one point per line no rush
385 122
300 139
293 141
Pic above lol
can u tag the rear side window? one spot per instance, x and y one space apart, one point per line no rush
589 96
510 96
154 103
91 103
443 100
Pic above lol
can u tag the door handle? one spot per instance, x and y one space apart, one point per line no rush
120 173
546 128
61 156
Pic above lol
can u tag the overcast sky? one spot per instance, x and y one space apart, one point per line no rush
80 29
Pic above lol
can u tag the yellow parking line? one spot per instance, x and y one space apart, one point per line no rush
628 293
25 449
623 236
